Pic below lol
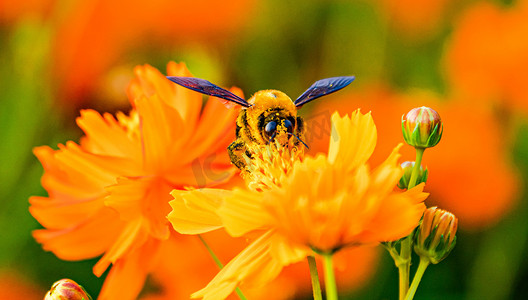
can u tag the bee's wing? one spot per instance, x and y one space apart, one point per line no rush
323 87
205 87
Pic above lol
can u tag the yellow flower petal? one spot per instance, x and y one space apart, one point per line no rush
398 216
194 212
253 266
242 212
353 139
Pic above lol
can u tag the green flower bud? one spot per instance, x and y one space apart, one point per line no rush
67 289
436 235
422 127
407 172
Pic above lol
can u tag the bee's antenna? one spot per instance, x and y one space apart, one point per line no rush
272 136
299 140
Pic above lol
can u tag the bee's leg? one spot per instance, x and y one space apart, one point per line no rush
235 150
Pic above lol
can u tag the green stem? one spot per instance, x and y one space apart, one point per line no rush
316 286
416 169
405 266
219 264
213 255
424 263
406 244
330 282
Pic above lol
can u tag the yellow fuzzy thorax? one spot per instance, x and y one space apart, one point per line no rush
263 102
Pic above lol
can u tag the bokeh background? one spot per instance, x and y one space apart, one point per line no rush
467 59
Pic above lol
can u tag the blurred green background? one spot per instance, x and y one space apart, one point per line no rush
53 64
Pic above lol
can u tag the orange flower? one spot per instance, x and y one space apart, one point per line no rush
488 54
345 205
11 11
109 195
92 36
416 18
13 286
469 171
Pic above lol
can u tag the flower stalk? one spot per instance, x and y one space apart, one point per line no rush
330 282
422 266
416 168
219 264
405 252
314 275
404 266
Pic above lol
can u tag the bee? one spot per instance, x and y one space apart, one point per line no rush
268 115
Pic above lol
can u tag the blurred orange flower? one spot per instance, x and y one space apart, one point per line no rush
11 11
109 195
346 205
14 286
93 35
469 171
488 54
416 18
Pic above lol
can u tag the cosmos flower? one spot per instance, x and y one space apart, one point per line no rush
109 194
323 204
471 159
487 56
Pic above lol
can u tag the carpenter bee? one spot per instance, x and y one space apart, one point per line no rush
268 115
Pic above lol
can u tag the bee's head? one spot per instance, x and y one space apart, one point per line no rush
273 116
279 127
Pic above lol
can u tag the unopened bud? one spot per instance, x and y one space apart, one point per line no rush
67 289
422 127
407 172
436 235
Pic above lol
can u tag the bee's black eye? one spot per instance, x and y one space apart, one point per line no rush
289 125
270 129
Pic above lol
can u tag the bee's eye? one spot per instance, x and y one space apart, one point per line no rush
289 125
270 128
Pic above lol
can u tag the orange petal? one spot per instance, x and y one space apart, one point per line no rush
57 214
143 197
85 240
130 238
105 136
216 128
161 126
127 277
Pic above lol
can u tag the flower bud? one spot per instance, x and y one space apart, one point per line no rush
436 235
67 289
407 172
422 127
